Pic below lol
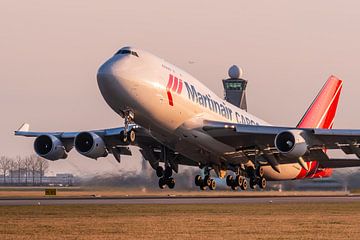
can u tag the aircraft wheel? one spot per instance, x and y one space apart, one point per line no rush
162 183
234 187
260 171
168 172
239 180
262 183
244 185
229 180
212 184
171 183
252 183
207 180
203 187
131 136
198 180
159 171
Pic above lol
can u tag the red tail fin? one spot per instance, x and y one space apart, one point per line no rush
322 111
321 114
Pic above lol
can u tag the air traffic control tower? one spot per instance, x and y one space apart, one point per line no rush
235 88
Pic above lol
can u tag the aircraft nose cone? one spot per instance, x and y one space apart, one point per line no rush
106 72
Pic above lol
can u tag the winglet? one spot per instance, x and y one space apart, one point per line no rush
25 127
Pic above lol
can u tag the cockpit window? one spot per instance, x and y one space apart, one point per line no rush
125 51
135 54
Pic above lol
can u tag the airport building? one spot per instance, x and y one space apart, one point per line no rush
20 177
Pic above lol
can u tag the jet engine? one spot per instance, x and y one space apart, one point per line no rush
90 145
49 147
291 143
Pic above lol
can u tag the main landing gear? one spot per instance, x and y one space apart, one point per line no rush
164 175
205 182
256 177
238 181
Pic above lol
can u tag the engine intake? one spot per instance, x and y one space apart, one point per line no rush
49 147
90 145
291 143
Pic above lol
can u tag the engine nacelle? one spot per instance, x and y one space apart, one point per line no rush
49 147
291 143
90 145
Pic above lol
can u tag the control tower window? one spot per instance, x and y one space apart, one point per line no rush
233 86
125 51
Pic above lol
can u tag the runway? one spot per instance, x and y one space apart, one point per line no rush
178 200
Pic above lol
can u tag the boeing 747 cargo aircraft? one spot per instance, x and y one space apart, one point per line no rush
174 119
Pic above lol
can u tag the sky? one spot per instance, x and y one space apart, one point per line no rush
50 52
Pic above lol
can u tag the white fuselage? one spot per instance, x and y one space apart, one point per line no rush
172 110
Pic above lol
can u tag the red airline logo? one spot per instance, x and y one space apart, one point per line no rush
174 85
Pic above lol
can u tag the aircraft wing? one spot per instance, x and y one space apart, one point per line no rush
112 139
250 138
24 131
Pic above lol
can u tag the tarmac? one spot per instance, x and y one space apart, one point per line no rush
178 200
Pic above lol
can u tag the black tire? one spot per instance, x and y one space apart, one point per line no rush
159 171
207 181
212 184
239 180
234 187
203 187
168 172
131 136
171 183
229 180
260 171
162 183
262 183
198 180
244 185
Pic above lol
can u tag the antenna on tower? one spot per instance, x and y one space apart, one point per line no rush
235 88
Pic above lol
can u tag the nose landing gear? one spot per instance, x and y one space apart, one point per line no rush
129 134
